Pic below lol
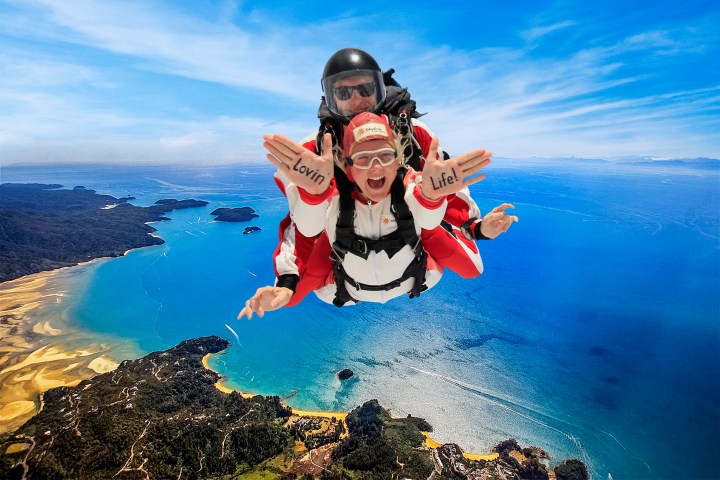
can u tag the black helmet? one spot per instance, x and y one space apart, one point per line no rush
353 62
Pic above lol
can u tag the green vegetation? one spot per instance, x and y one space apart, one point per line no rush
43 227
162 417
241 214
571 470
525 461
382 446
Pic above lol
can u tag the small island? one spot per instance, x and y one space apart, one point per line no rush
251 229
241 214
45 227
164 416
345 373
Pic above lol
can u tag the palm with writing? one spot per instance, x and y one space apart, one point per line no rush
442 178
307 170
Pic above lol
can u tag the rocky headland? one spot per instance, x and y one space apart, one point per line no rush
44 227
162 416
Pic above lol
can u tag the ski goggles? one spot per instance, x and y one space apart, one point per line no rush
345 92
364 159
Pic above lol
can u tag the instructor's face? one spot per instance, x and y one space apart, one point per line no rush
356 103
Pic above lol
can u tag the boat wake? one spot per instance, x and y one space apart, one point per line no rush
530 414
234 333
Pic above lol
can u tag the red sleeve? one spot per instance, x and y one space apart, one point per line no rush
452 250
312 199
311 145
458 212
318 272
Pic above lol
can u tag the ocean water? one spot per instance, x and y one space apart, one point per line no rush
594 332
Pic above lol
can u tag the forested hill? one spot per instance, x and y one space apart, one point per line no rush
43 227
162 417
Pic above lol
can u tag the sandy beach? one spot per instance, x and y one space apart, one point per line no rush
34 351
36 354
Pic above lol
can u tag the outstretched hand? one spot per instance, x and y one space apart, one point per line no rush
307 170
497 221
442 178
265 299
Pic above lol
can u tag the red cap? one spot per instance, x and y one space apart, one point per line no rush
366 126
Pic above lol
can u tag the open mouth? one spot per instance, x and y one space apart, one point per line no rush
376 183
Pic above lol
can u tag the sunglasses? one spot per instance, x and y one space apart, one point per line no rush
346 91
364 160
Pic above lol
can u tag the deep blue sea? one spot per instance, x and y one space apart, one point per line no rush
594 332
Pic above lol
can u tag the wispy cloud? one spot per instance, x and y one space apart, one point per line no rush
536 33
172 42
174 83
596 101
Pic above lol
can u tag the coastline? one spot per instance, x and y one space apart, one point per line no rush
429 442
37 352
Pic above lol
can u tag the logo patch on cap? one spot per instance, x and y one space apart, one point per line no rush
367 130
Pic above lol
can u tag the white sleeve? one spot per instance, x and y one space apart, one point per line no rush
426 213
309 218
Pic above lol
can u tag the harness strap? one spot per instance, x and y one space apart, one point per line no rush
344 229
391 244
342 296
402 214
416 268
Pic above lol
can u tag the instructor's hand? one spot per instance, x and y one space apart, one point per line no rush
497 221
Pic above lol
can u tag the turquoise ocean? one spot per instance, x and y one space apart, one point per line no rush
594 332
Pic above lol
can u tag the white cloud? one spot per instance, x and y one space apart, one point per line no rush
172 42
518 102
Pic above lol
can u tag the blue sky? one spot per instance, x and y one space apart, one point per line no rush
201 81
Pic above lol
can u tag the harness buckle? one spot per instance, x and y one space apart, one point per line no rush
363 247
355 284
337 254
417 251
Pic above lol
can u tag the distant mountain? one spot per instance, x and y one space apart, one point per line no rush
699 162
43 227
557 160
